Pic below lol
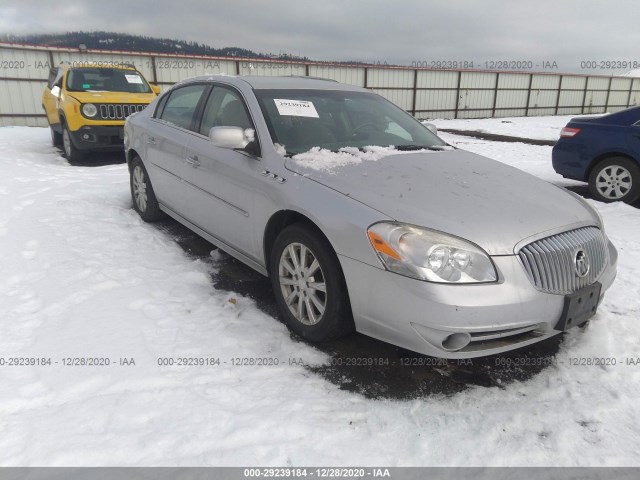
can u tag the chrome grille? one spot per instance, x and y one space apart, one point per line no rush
550 262
116 111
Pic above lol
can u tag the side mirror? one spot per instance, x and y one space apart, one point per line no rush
229 137
55 91
155 89
431 128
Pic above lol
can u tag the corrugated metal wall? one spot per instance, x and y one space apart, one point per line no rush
424 93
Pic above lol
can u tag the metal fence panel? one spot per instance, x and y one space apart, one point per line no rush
476 99
24 64
621 83
423 92
570 98
477 80
402 98
380 78
598 83
573 82
431 100
20 103
350 75
543 98
437 79
545 82
513 80
511 99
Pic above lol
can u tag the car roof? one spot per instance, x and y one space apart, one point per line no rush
283 82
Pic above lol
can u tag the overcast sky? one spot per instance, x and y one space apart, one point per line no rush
567 32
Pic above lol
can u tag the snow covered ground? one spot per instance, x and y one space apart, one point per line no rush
82 276
539 128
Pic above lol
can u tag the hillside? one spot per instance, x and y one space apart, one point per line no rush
127 42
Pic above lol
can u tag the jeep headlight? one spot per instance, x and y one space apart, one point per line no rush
89 110
429 255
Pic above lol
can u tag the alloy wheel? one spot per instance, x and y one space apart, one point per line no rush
140 188
302 283
614 182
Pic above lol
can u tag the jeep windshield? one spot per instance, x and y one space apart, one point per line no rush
106 80
333 119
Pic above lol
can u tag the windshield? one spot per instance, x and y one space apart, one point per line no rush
106 80
333 119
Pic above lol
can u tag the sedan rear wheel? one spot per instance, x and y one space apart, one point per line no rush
142 194
615 179
309 285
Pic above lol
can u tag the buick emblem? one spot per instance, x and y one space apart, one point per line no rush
582 263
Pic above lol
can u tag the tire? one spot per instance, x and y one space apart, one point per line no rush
142 194
312 313
56 138
69 149
615 179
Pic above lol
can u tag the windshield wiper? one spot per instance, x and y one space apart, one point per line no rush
408 148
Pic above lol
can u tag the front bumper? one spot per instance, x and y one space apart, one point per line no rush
98 137
419 315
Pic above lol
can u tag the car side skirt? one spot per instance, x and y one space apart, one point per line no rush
216 241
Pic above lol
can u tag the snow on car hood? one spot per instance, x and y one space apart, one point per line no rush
485 201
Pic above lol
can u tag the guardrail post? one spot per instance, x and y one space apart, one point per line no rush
558 96
526 109
415 91
366 79
455 113
606 102
154 73
495 96
630 90
584 95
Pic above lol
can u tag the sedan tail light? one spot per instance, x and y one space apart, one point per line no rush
568 132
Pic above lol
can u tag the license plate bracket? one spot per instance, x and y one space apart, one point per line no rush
579 307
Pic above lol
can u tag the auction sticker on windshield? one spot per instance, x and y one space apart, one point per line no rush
296 108
133 78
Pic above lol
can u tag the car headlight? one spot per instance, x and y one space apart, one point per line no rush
429 255
89 110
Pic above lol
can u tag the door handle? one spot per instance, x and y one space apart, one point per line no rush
151 140
193 161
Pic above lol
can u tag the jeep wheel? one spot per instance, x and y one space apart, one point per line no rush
70 150
56 138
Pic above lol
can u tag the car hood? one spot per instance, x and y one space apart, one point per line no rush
112 97
482 200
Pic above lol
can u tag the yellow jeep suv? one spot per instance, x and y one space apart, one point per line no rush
86 105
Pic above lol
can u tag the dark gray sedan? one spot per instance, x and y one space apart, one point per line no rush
366 220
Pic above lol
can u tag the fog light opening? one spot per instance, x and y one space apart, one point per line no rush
456 341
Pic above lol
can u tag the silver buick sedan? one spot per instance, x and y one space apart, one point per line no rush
364 219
